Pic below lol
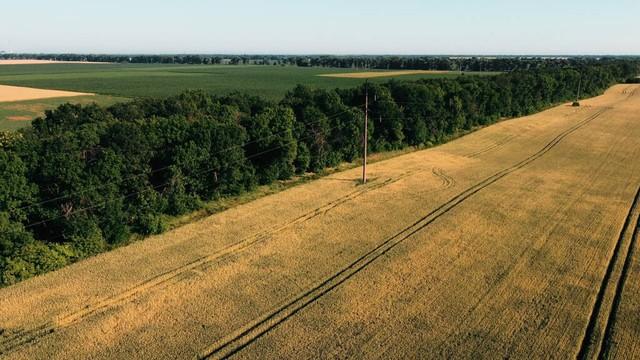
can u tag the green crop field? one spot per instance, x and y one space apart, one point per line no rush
139 80
124 81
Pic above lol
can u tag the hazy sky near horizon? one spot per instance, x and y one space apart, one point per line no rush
322 27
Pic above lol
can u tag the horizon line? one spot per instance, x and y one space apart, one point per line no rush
323 54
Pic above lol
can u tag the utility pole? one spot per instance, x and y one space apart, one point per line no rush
577 102
366 131
579 88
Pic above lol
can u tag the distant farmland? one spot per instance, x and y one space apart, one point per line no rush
139 80
120 82
387 74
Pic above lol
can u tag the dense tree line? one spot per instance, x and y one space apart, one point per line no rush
83 179
190 59
449 63
453 63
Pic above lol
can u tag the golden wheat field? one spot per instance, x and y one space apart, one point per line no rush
19 93
515 241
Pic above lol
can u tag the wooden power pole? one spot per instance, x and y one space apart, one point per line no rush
577 102
366 132
579 88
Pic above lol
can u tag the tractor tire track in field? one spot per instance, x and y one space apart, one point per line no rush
595 343
246 335
630 92
492 147
11 341
447 181
624 276
456 340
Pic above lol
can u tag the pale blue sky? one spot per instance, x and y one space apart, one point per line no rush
322 26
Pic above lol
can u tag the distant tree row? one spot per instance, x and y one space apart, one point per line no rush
83 179
459 63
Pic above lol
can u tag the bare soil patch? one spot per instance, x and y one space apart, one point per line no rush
18 93
19 118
